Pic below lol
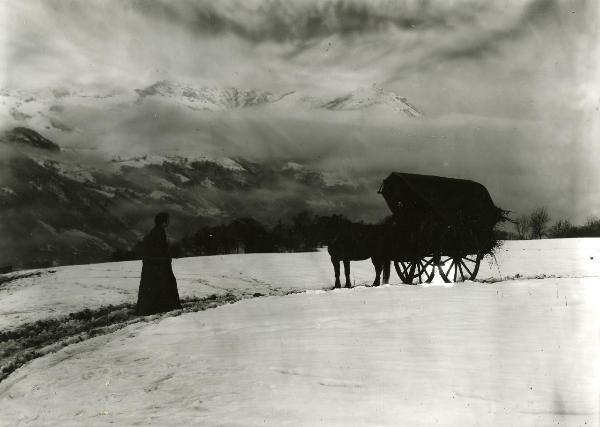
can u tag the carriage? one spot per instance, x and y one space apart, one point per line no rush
439 223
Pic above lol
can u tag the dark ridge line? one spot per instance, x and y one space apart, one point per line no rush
4 279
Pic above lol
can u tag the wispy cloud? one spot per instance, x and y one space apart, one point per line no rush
282 21
520 75
302 43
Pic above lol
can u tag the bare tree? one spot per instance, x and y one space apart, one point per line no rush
561 228
538 220
522 225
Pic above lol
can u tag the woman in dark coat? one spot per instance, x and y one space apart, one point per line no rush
158 287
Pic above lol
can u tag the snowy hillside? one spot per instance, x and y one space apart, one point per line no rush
79 207
90 166
72 288
66 110
521 351
220 99
373 98
204 98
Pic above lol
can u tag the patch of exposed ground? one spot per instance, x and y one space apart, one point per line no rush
7 278
30 341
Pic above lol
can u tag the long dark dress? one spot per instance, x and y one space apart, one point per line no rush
158 286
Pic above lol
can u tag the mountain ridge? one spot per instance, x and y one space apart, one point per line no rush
26 136
60 207
224 98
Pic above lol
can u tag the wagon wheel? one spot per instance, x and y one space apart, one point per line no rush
413 272
459 268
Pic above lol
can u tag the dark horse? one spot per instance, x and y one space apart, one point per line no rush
356 242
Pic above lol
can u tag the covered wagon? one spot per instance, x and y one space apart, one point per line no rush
439 223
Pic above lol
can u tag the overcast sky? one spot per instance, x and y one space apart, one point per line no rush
510 88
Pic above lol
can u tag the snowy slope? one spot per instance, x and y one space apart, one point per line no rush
205 98
517 352
73 288
49 192
221 99
513 354
54 110
372 98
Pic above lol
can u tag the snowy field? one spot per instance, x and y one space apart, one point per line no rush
522 350
61 290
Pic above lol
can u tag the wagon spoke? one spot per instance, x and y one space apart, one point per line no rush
412 272
462 274
449 268
467 268
455 270
469 259
404 271
444 261
401 271
428 263
428 273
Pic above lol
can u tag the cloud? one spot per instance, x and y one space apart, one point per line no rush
506 82
258 41
282 21
522 162
311 46
488 42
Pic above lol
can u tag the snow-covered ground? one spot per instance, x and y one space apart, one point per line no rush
62 290
524 351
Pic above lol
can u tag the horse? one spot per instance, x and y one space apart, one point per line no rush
356 242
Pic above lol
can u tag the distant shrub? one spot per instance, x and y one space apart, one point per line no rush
591 228
562 228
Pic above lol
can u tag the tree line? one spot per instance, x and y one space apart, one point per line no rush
303 232
537 225
307 232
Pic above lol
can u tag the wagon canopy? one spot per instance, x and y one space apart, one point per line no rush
445 200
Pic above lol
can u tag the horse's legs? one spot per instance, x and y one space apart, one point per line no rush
336 269
378 267
347 272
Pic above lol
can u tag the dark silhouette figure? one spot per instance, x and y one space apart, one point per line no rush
355 242
158 287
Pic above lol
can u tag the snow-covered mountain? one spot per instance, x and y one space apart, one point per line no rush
219 99
372 98
95 164
24 105
205 98
73 207
167 116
